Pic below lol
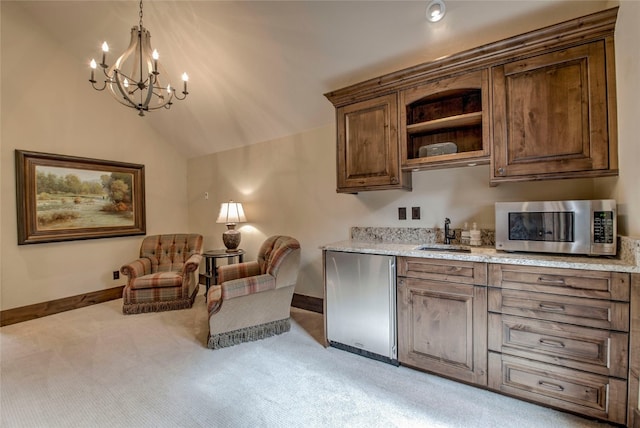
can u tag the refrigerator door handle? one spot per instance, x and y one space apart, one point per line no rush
392 309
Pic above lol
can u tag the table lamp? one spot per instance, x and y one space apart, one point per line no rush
230 214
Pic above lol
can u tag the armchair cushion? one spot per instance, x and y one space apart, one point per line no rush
160 279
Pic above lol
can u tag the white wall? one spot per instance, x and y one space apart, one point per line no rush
288 185
58 112
625 187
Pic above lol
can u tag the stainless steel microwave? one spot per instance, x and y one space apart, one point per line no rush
567 227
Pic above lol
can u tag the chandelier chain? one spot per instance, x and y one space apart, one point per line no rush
140 13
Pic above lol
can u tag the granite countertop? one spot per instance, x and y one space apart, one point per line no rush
624 262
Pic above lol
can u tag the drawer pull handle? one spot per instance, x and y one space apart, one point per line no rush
553 343
551 280
551 307
549 385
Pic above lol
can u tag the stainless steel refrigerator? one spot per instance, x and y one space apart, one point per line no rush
361 304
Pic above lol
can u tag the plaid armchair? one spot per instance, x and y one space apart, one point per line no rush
165 277
252 300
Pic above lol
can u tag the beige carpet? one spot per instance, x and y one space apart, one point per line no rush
94 367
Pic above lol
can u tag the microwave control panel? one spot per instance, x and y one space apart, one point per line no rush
603 227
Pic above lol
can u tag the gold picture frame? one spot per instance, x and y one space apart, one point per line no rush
65 198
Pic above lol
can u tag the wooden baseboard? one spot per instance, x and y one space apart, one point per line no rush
26 313
313 304
39 310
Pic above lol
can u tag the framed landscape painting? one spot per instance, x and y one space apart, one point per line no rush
64 198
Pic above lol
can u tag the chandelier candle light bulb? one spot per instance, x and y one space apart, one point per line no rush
93 66
185 79
155 56
105 49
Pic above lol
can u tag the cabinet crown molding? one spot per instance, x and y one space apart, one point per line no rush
572 32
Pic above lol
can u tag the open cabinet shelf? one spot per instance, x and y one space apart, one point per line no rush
444 123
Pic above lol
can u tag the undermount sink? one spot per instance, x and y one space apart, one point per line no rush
444 247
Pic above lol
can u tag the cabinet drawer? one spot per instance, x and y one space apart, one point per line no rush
456 271
589 394
573 310
566 282
598 351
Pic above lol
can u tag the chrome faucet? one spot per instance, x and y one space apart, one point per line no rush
448 235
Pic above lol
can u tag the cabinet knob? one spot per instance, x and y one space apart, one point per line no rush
500 171
394 180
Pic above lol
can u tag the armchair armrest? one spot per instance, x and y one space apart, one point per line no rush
136 268
238 270
192 263
245 286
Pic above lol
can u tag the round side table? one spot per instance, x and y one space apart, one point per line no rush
211 264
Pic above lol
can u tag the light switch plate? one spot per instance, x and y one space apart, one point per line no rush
415 213
402 213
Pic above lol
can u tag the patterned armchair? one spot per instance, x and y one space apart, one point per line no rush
252 300
165 277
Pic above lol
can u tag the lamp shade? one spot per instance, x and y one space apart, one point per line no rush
231 212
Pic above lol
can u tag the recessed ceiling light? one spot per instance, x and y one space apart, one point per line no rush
435 10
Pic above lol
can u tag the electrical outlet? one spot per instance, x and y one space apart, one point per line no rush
402 213
415 213
116 275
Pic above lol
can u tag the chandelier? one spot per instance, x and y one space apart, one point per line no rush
136 82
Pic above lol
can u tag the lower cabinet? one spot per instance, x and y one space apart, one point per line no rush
554 336
442 318
560 337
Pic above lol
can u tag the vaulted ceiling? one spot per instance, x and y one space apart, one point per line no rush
258 69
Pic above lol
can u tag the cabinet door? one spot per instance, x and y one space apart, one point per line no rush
552 117
368 153
442 328
445 123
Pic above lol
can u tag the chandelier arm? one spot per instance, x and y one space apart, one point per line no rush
126 54
149 95
167 102
141 48
93 83
124 93
175 94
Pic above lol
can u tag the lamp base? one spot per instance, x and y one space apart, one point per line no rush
231 238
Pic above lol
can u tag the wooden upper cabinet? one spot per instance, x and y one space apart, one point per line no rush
445 123
367 151
554 115
539 105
